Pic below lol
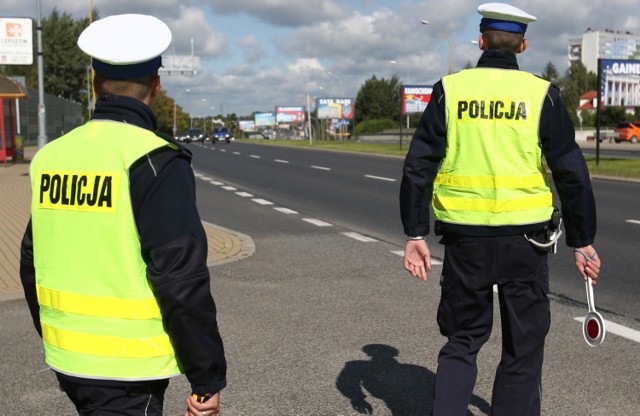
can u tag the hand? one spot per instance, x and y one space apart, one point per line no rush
209 408
417 259
587 262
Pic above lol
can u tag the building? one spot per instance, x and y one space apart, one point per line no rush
621 87
608 44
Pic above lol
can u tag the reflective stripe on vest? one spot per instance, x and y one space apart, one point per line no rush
99 316
492 173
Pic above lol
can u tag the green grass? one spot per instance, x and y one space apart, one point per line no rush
627 168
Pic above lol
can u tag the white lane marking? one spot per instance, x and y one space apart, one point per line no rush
223 150
244 194
633 221
617 329
236 153
229 188
380 178
280 161
434 262
319 223
320 167
216 183
359 237
261 201
285 210
255 156
197 175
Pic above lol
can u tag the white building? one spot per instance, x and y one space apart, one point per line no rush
620 89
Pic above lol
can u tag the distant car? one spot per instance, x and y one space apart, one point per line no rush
627 132
221 133
181 136
195 135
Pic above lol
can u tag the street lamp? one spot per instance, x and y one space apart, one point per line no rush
175 127
446 35
392 62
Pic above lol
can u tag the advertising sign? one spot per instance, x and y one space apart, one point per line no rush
415 98
16 41
290 115
247 125
341 108
620 82
265 119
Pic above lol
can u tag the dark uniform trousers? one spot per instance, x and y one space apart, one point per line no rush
122 399
472 265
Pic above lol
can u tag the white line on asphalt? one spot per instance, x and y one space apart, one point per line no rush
223 150
319 167
617 329
319 223
255 156
360 237
197 175
261 201
205 178
216 183
434 262
236 153
380 178
280 161
634 221
285 210
229 188
244 194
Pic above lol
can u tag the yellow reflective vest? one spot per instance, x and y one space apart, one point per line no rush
492 173
99 316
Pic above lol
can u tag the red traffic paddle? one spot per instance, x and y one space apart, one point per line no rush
593 327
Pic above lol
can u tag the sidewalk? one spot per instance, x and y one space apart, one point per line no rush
15 192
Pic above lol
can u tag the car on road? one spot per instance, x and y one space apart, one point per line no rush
181 136
627 131
195 135
221 133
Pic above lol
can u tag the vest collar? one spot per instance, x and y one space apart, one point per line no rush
494 58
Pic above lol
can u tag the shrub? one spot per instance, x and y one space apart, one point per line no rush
375 126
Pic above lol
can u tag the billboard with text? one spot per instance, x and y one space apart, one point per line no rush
16 41
620 82
340 108
415 98
290 115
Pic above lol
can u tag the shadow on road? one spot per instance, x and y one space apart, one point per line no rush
406 389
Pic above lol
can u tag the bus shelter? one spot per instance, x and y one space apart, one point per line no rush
10 90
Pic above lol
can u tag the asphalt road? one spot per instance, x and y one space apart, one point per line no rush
322 319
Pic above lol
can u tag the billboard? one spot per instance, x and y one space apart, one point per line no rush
341 108
290 115
247 125
16 41
415 98
620 85
265 119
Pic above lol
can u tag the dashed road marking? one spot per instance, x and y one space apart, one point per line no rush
320 167
261 201
633 221
285 210
255 156
216 183
229 188
360 237
236 153
380 178
317 222
281 161
244 194
617 329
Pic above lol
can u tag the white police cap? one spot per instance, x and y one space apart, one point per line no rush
504 17
126 46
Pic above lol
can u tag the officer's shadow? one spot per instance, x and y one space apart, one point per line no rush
406 389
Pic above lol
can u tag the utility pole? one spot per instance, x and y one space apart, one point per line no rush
42 119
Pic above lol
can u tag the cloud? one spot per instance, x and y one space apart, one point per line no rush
252 51
287 13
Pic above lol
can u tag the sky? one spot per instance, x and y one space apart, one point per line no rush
254 55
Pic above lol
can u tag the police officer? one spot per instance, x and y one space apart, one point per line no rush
113 261
477 157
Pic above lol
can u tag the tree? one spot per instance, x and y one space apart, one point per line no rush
550 73
379 99
576 82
